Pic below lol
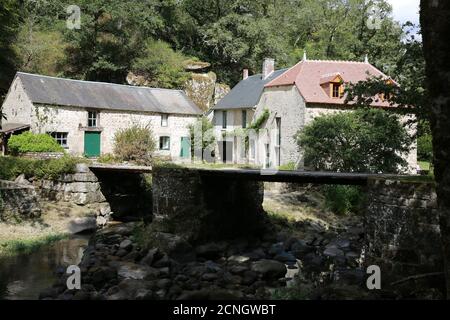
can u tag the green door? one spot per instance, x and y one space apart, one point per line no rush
185 147
92 144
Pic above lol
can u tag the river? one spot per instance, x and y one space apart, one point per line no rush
24 276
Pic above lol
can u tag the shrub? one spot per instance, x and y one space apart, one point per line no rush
135 144
11 167
31 142
343 199
366 140
425 148
288 166
107 158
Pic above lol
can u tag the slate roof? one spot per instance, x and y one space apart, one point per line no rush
246 94
309 75
107 96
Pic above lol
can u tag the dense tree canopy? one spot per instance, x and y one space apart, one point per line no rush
230 34
9 17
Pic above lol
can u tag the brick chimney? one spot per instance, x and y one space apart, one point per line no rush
268 67
244 74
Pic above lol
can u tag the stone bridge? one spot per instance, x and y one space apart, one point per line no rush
400 215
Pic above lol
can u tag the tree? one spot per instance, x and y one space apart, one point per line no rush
161 66
435 23
202 138
110 38
366 140
9 17
39 44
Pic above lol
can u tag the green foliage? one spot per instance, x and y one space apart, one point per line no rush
32 142
15 247
343 199
256 125
202 137
288 166
40 52
108 158
110 38
9 26
161 66
425 148
366 140
135 144
12 167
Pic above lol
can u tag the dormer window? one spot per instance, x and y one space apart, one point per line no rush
333 85
336 90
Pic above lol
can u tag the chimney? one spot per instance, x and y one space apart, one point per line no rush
268 67
366 59
244 74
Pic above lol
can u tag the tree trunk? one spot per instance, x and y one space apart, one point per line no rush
435 23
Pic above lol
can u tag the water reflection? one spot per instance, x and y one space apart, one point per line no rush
25 276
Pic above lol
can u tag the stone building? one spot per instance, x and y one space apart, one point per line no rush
84 116
285 101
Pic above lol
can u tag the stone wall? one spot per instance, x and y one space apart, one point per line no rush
18 199
402 229
201 208
43 155
81 188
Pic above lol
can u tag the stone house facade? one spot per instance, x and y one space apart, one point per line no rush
289 99
84 116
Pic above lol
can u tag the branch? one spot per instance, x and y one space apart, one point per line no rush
417 276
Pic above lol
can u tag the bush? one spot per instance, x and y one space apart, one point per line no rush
31 142
343 199
366 140
135 144
425 148
11 167
288 166
107 158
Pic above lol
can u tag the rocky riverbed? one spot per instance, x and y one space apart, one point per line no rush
115 266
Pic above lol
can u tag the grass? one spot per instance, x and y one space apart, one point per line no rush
424 165
26 246
29 234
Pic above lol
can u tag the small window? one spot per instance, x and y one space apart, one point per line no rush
164 120
224 119
336 90
164 143
244 118
278 137
92 119
61 138
252 149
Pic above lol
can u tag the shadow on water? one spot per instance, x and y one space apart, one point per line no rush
23 277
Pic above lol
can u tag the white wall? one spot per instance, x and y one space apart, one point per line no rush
46 118
234 124
287 103
17 106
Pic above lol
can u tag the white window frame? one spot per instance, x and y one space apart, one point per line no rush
93 119
161 143
164 120
60 137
